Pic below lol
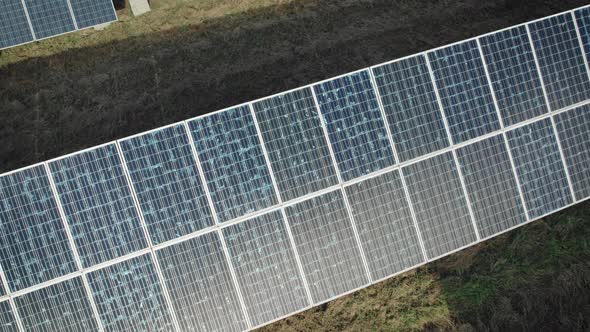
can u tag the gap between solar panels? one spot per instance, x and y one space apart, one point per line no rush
238 218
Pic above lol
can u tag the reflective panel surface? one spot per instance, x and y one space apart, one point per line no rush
385 225
34 246
167 183
296 144
355 126
233 162
414 116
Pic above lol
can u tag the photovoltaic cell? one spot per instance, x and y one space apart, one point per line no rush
233 162
60 307
93 12
34 247
355 126
385 224
98 205
266 268
491 186
296 144
574 132
513 72
200 285
464 91
326 245
410 104
583 21
7 320
540 168
129 297
167 183
50 17
440 205
560 60
14 27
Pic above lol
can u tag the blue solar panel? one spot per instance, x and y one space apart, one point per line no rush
355 126
129 297
574 132
233 162
410 104
60 307
265 267
513 72
326 244
540 168
491 186
93 12
34 247
583 21
98 205
440 204
385 225
7 320
167 183
50 17
2 291
14 27
200 285
296 143
561 61
464 91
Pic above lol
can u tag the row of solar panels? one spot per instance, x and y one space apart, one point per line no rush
234 219
23 21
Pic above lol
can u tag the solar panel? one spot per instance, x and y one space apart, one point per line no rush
23 21
266 267
491 185
50 17
355 127
7 320
92 12
510 61
98 205
298 151
166 180
540 168
60 307
385 224
233 163
34 247
129 297
234 219
14 26
464 91
199 280
326 243
440 205
560 60
574 132
411 107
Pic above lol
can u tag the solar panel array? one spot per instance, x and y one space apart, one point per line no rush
24 21
238 218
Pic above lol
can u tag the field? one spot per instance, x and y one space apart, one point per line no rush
189 57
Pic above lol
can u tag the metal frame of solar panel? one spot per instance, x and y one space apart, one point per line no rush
244 216
26 21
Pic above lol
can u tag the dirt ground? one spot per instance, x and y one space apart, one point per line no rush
57 104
